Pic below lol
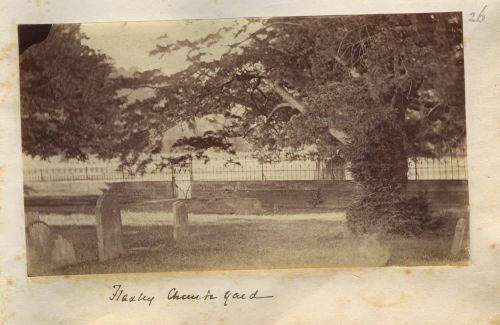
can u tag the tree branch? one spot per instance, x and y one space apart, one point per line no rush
277 107
287 97
252 35
295 104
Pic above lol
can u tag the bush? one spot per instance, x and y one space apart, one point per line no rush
316 199
389 212
379 165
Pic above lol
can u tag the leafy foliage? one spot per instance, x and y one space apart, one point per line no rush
283 86
68 100
390 213
316 198
392 84
376 88
74 104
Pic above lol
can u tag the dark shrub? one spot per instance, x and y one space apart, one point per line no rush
316 199
388 212
379 165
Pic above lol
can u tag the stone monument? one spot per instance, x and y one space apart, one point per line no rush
109 227
180 213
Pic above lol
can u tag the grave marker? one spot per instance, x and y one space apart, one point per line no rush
63 252
180 213
458 238
38 244
109 227
31 217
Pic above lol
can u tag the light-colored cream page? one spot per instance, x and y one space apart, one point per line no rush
465 294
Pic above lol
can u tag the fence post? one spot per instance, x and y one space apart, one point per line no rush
451 163
445 169
173 181
86 173
262 169
191 178
41 174
415 167
317 172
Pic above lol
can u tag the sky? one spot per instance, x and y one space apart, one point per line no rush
128 43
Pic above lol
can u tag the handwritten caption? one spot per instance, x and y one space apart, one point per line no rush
119 294
478 18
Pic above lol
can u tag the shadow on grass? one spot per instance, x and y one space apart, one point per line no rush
268 244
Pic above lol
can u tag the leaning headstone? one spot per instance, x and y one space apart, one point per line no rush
458 238
180 213
63 252
38 245
371 252
246 206
109 227
32 217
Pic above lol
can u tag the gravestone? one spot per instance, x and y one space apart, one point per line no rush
458 238
31 217
180 213
246 206
38 244
109 227
371 252
63 252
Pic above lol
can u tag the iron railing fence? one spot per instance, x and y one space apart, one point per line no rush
242 168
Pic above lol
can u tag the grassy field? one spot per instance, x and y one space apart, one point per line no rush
253 244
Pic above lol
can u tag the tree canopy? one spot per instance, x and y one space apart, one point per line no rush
283 83
373 90
68 100
299 81
74 102
378 88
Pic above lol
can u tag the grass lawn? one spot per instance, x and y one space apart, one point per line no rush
252 244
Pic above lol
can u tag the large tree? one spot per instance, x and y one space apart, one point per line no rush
380 88
74 103
68 101
377 88
282 78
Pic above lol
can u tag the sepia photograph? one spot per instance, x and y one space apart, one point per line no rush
244 144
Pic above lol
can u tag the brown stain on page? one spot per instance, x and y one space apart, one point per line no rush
385 301
495 320
5 51
4 90
39 3
1 177
11 282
